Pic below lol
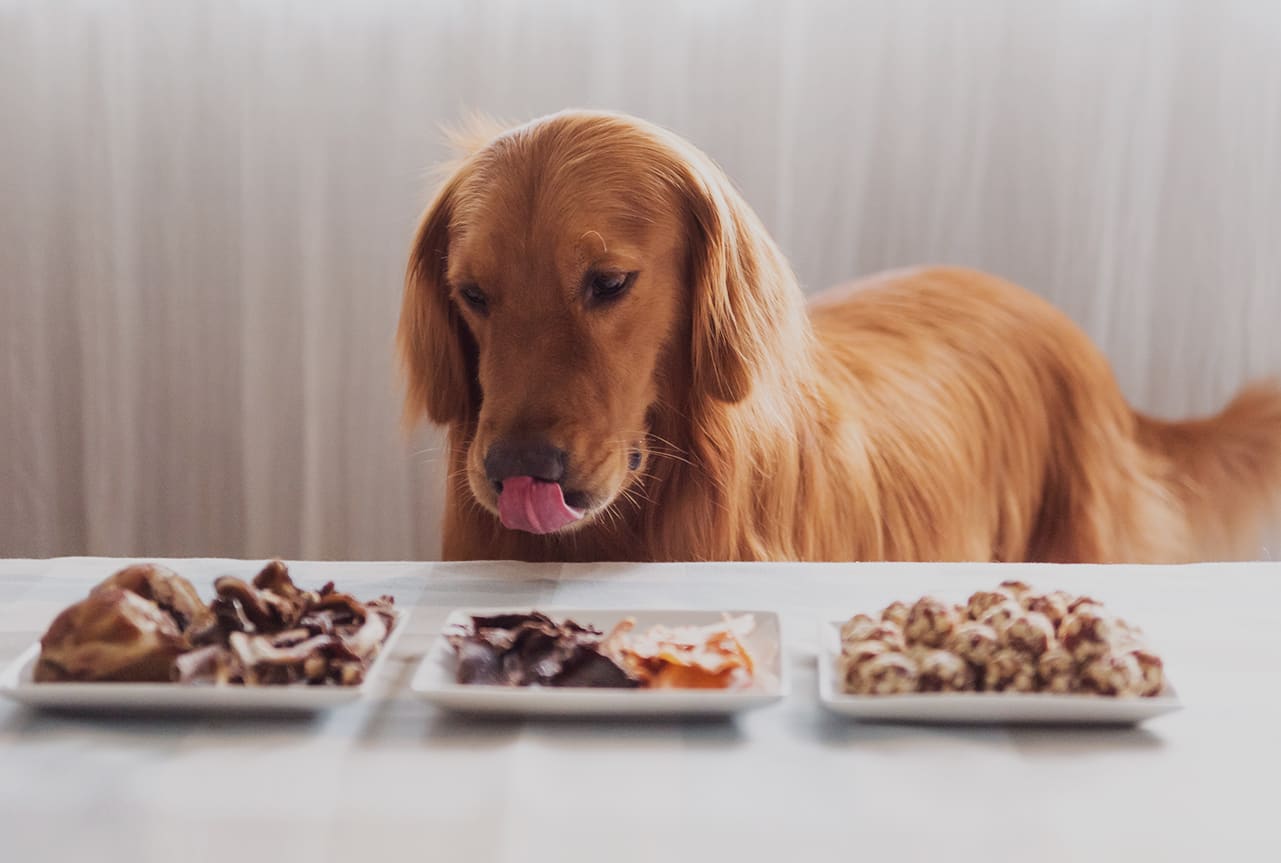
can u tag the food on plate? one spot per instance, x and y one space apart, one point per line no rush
712 656
1010 639
1016 589
896 613
532 649
1053 605
1056 671
170 592
1113 674
146 623
1089 632
855 653
889 673
271 631
1152 669
1030 633
1010 670
982 600
942 671
975 642
930 622
858 627
999 616
113 634
1083 600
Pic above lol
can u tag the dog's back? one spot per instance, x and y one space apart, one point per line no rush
995 430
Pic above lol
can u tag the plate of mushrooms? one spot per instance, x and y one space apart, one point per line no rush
144 640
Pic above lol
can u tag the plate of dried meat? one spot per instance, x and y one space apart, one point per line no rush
144 641
612 662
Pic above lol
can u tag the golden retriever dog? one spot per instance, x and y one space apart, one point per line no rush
628 370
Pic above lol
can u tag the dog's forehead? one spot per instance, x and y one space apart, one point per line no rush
538 190
534 207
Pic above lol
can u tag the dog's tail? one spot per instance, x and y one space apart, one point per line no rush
1225 471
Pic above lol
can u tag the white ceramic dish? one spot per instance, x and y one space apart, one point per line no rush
102 698
435 678
1014 708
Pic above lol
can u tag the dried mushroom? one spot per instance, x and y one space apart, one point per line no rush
146 623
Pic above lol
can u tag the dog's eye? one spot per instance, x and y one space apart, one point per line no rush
474 297
608 286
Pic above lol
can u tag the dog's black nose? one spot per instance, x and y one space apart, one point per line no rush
537 459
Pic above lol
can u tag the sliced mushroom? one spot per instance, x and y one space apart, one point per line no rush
249 601
366 640
255 650
275 577
209 663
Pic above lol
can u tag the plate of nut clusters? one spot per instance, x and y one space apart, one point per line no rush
584 662
143 639
1007 655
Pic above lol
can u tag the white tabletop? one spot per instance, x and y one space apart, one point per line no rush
393 778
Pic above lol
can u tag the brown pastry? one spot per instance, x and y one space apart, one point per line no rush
1010 671
113 635
1089 632
941 671
856 628
1030 632
930 622
853 655
1053 605
1056 671
875 630
1080 601
857 652
890 634
974 642
887 674
896 613
982 600
1153 672
1017 589
999 616
1117 674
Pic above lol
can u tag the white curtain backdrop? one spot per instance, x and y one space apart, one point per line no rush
205 209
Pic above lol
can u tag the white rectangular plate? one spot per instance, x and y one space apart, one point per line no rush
1012 708
17 683
435 680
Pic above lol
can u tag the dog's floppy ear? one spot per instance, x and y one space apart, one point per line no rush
437 353
742 305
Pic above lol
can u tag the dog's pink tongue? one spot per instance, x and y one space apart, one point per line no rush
534 505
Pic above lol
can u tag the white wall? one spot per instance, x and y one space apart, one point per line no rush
205 208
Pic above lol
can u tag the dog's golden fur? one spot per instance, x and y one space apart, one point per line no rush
933 414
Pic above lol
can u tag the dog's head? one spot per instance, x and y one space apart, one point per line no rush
573 276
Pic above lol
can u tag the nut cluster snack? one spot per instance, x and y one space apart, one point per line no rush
1011 639
147 624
